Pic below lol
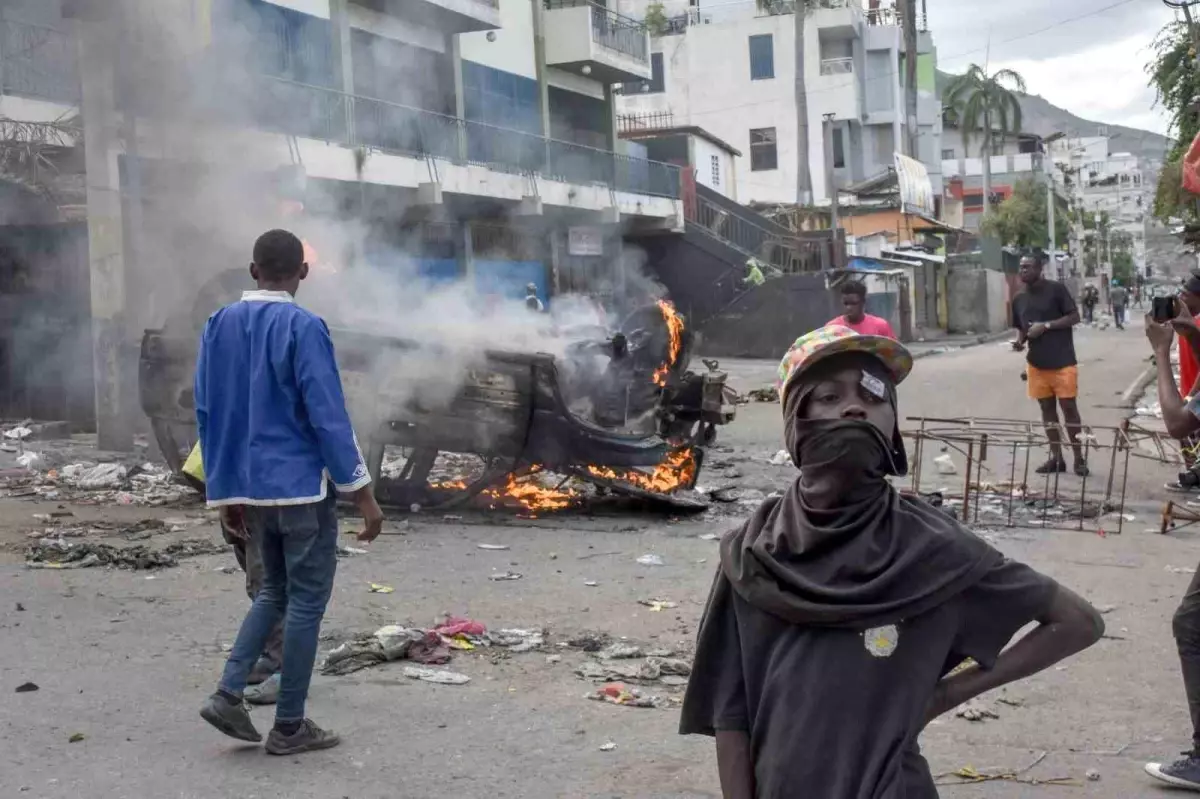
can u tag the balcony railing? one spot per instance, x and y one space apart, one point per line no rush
612 30
37 61
837 66
325 114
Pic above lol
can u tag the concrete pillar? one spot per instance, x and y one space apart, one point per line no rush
539 57
112 341
611 105
343 61
460 99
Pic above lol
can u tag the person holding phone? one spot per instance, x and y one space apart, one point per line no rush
1044 315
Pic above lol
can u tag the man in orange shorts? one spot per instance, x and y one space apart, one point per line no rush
1044 314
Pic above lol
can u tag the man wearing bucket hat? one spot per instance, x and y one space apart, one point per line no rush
839 609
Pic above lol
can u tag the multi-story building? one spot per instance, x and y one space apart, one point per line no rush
465 137
730 68
1100 182
1013 158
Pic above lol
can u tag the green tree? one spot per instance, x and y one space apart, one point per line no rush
656 21
1022 219
988 105
1176 83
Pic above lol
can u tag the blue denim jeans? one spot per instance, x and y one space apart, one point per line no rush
299 554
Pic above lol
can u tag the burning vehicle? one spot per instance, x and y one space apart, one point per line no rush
525 430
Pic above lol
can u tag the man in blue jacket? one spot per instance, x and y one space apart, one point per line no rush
277 443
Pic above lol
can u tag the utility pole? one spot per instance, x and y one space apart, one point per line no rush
827 135
1050 221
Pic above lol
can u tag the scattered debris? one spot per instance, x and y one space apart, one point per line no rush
18 433
619 651
30 460
658 605
607 747
60 554
591 583
670 671
945 464
378 588
102 475
1005 700
710 537
428 647
501 577
1181 570
76 737
588 641
438 676
976 712
553 659
1105 609
456 625
1093 775
764 394
20 608
27 688
617 693
494 547
651 560
350 552
781 458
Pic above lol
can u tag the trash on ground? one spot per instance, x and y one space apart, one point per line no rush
651 560
29 460
388 643
1181 570
456 625
76 737
350 552
620 651
501 577
658 605
710 537
1093 775
648 670
617 693
781 458
60 554
378 588
764 394
27 687
18 433
588 641
492 547
976 712
607 747
438 676
591 583
945 464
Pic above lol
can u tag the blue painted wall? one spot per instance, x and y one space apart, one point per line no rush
509 278
500 98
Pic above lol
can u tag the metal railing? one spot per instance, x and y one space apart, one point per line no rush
789 253
611 30
837 66
355 121
37 61
646 120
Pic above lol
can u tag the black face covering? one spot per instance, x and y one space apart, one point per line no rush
841 547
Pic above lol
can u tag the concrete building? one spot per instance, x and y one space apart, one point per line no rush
1100 181
475 139
1013 158
705 159
730 69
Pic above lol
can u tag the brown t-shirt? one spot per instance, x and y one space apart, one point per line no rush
835 713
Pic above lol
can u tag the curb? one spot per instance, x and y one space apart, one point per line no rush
1138 386
987 338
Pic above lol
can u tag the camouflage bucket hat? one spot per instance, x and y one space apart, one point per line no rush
816 346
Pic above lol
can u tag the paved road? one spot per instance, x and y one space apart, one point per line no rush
125 660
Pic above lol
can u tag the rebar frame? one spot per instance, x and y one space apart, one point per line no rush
977 438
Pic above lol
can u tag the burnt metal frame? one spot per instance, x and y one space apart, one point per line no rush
976 436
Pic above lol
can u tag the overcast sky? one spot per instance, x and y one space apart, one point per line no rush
1092 64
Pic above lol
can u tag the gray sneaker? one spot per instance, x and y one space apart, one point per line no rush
265 693
233 720
309 738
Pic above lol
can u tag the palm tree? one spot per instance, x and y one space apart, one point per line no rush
989 105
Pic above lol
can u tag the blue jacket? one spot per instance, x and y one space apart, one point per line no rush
273 422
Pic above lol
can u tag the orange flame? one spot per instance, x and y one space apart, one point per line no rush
526 492
675 331
677 470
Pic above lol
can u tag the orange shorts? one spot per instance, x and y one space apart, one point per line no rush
1052 383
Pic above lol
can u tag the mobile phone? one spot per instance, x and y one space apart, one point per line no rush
1162 309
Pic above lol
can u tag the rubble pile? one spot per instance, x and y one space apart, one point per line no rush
62 554
142 484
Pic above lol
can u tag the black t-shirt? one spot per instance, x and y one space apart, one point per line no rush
835 713
1046 301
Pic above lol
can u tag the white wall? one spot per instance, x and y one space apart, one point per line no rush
395 28
716 93
703 151
513 49
316 8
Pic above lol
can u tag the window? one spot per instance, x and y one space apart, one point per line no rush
839 149
657 83
948 155
763 155
716 172
762 57
973 201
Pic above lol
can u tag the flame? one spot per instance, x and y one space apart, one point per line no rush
451 485
675 331
677 470
531 496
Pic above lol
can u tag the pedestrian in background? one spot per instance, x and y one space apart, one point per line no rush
274 431
855 316
1118 296
840 609
1044 315
1091 298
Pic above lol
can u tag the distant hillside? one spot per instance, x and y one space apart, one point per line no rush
1042 118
